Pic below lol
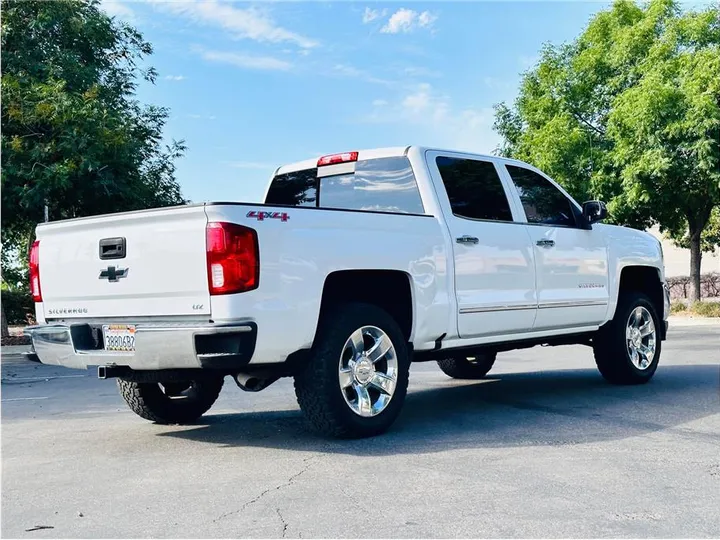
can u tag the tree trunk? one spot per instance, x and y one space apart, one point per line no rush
5 332
5 329
697 220
695 262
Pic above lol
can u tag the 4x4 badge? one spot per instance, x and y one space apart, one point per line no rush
261 216
113 274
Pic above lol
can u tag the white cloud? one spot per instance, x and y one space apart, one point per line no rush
426 19
400 21
174 77
250 23
355 73
117 9
246 61
369 15
433 118
406 20
419 71
418 100
379 103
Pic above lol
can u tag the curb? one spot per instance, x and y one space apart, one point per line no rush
675 321
13 349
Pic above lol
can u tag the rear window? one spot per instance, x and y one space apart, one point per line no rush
297 188
381 185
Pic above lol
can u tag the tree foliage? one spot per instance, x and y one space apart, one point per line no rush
630 112
73 135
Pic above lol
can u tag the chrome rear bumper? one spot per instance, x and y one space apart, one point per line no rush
157 346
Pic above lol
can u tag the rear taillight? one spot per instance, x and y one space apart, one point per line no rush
35 272
233 263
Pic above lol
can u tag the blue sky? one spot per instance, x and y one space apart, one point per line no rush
254 85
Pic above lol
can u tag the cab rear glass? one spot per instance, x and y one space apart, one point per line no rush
381 185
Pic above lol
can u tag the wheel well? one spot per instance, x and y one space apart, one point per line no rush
644 279
388 289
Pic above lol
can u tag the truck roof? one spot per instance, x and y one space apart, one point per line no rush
389 151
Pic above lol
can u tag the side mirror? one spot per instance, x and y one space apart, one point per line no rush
594 211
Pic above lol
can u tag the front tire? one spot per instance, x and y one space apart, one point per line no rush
355 381
475 367
171 403
627 349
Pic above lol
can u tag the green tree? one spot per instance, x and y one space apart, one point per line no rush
630 112
710 237
74 137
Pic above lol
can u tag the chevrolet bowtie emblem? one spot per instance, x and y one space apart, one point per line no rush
113 274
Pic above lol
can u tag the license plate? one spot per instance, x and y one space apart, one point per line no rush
119 337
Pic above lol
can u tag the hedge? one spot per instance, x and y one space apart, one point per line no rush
18 306
709 286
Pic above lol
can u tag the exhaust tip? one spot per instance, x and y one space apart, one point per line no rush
247 382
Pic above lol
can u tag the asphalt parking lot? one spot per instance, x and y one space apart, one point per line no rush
544 447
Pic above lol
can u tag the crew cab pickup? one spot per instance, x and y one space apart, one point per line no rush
355 265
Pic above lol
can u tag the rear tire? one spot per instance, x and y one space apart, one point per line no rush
173 403
627 349
343 390
473 367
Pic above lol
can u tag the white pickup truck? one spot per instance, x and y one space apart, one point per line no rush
356 265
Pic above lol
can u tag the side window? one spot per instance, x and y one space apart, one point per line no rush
542 201
297 188
382 184
474 189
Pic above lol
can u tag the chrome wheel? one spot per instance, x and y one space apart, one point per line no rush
641 336
368 371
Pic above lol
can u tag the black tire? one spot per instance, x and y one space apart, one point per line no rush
317 384
151 402
474 367
610 344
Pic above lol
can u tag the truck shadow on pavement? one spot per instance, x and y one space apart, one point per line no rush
551 408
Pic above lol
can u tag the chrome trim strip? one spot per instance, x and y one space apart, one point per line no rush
489 309
145 328
581 303
521 307
209 329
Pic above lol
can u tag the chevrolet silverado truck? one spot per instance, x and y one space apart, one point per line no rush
355 265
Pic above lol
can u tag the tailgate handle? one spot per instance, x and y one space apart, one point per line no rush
112 248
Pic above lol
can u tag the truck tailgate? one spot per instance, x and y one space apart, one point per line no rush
162 272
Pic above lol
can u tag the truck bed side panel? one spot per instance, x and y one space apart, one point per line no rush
298 253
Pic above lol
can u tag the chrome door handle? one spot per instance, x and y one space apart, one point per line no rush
467 240
545 243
